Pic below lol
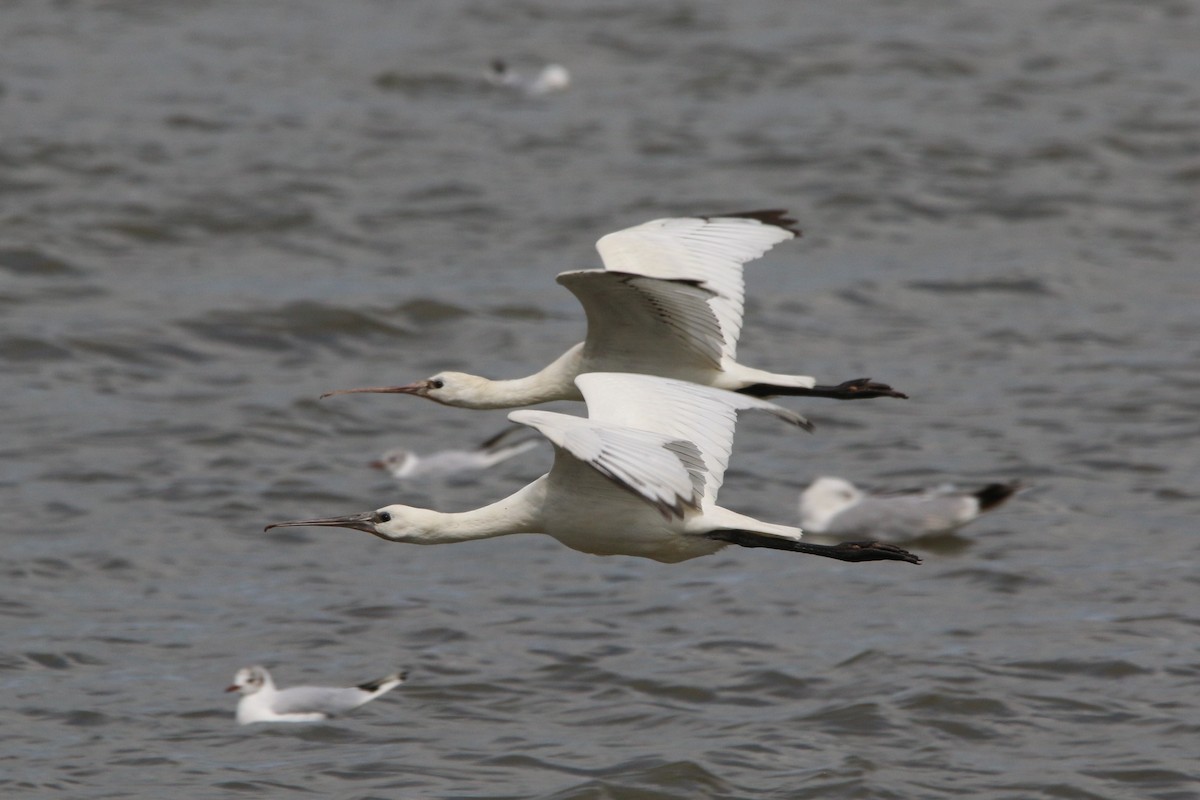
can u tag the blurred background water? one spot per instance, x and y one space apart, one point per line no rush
211 212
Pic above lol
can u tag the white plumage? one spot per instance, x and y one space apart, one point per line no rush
406 465
836 507
669 302
639 476
262 702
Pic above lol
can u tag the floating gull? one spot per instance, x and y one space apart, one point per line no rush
836 507
262 702
639 476
405 465
668 302
550 78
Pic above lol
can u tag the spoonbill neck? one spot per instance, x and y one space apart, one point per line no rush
555 381
520 512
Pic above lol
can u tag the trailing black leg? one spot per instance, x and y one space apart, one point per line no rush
857 389
843 551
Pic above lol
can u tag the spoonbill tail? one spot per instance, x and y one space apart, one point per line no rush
262 702
836 507
668 302
638 477
405 465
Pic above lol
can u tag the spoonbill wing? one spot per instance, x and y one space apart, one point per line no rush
664 472
647 323
709 249
676 411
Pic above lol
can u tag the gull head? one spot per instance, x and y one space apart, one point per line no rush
399 462
249 680
448 388
825 498
395 523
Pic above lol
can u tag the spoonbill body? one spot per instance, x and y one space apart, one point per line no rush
639 476
669 302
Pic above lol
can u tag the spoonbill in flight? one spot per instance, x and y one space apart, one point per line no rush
262 702
639 476
668 302
837 507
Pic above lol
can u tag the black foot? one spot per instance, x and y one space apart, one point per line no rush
857 389
869 551
844 551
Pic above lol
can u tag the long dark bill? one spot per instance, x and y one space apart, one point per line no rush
411 388
359 522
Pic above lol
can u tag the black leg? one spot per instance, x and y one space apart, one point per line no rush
843 551
857 389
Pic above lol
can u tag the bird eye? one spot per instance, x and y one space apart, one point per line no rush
383 516
436 383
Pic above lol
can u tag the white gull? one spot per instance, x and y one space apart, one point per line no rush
405 465
836 507
550 78
262 702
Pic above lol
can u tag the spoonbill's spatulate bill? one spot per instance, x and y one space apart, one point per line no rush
836 507
638 477
262 702
668 302
405 465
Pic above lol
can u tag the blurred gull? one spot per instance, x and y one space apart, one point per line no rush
836 507
668 302
405 465
550 78
639 476
262 702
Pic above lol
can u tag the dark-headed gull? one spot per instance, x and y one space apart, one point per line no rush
639 476
262 702
836 507
668 302
550 78
405 465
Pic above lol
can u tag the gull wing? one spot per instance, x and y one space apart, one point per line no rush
666 473
707 249
647 324
676 411
318 700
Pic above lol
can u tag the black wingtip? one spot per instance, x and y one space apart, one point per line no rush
767 216
372 686
994 494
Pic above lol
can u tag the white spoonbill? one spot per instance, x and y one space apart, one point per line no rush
638 477
262 702
837 507
405 465
668 302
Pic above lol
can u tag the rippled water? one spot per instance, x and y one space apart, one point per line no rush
212 212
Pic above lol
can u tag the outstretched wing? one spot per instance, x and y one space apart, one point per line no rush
707 249
667 474
676 411
652 325
318 700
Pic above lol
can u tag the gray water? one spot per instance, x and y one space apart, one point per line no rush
211 212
